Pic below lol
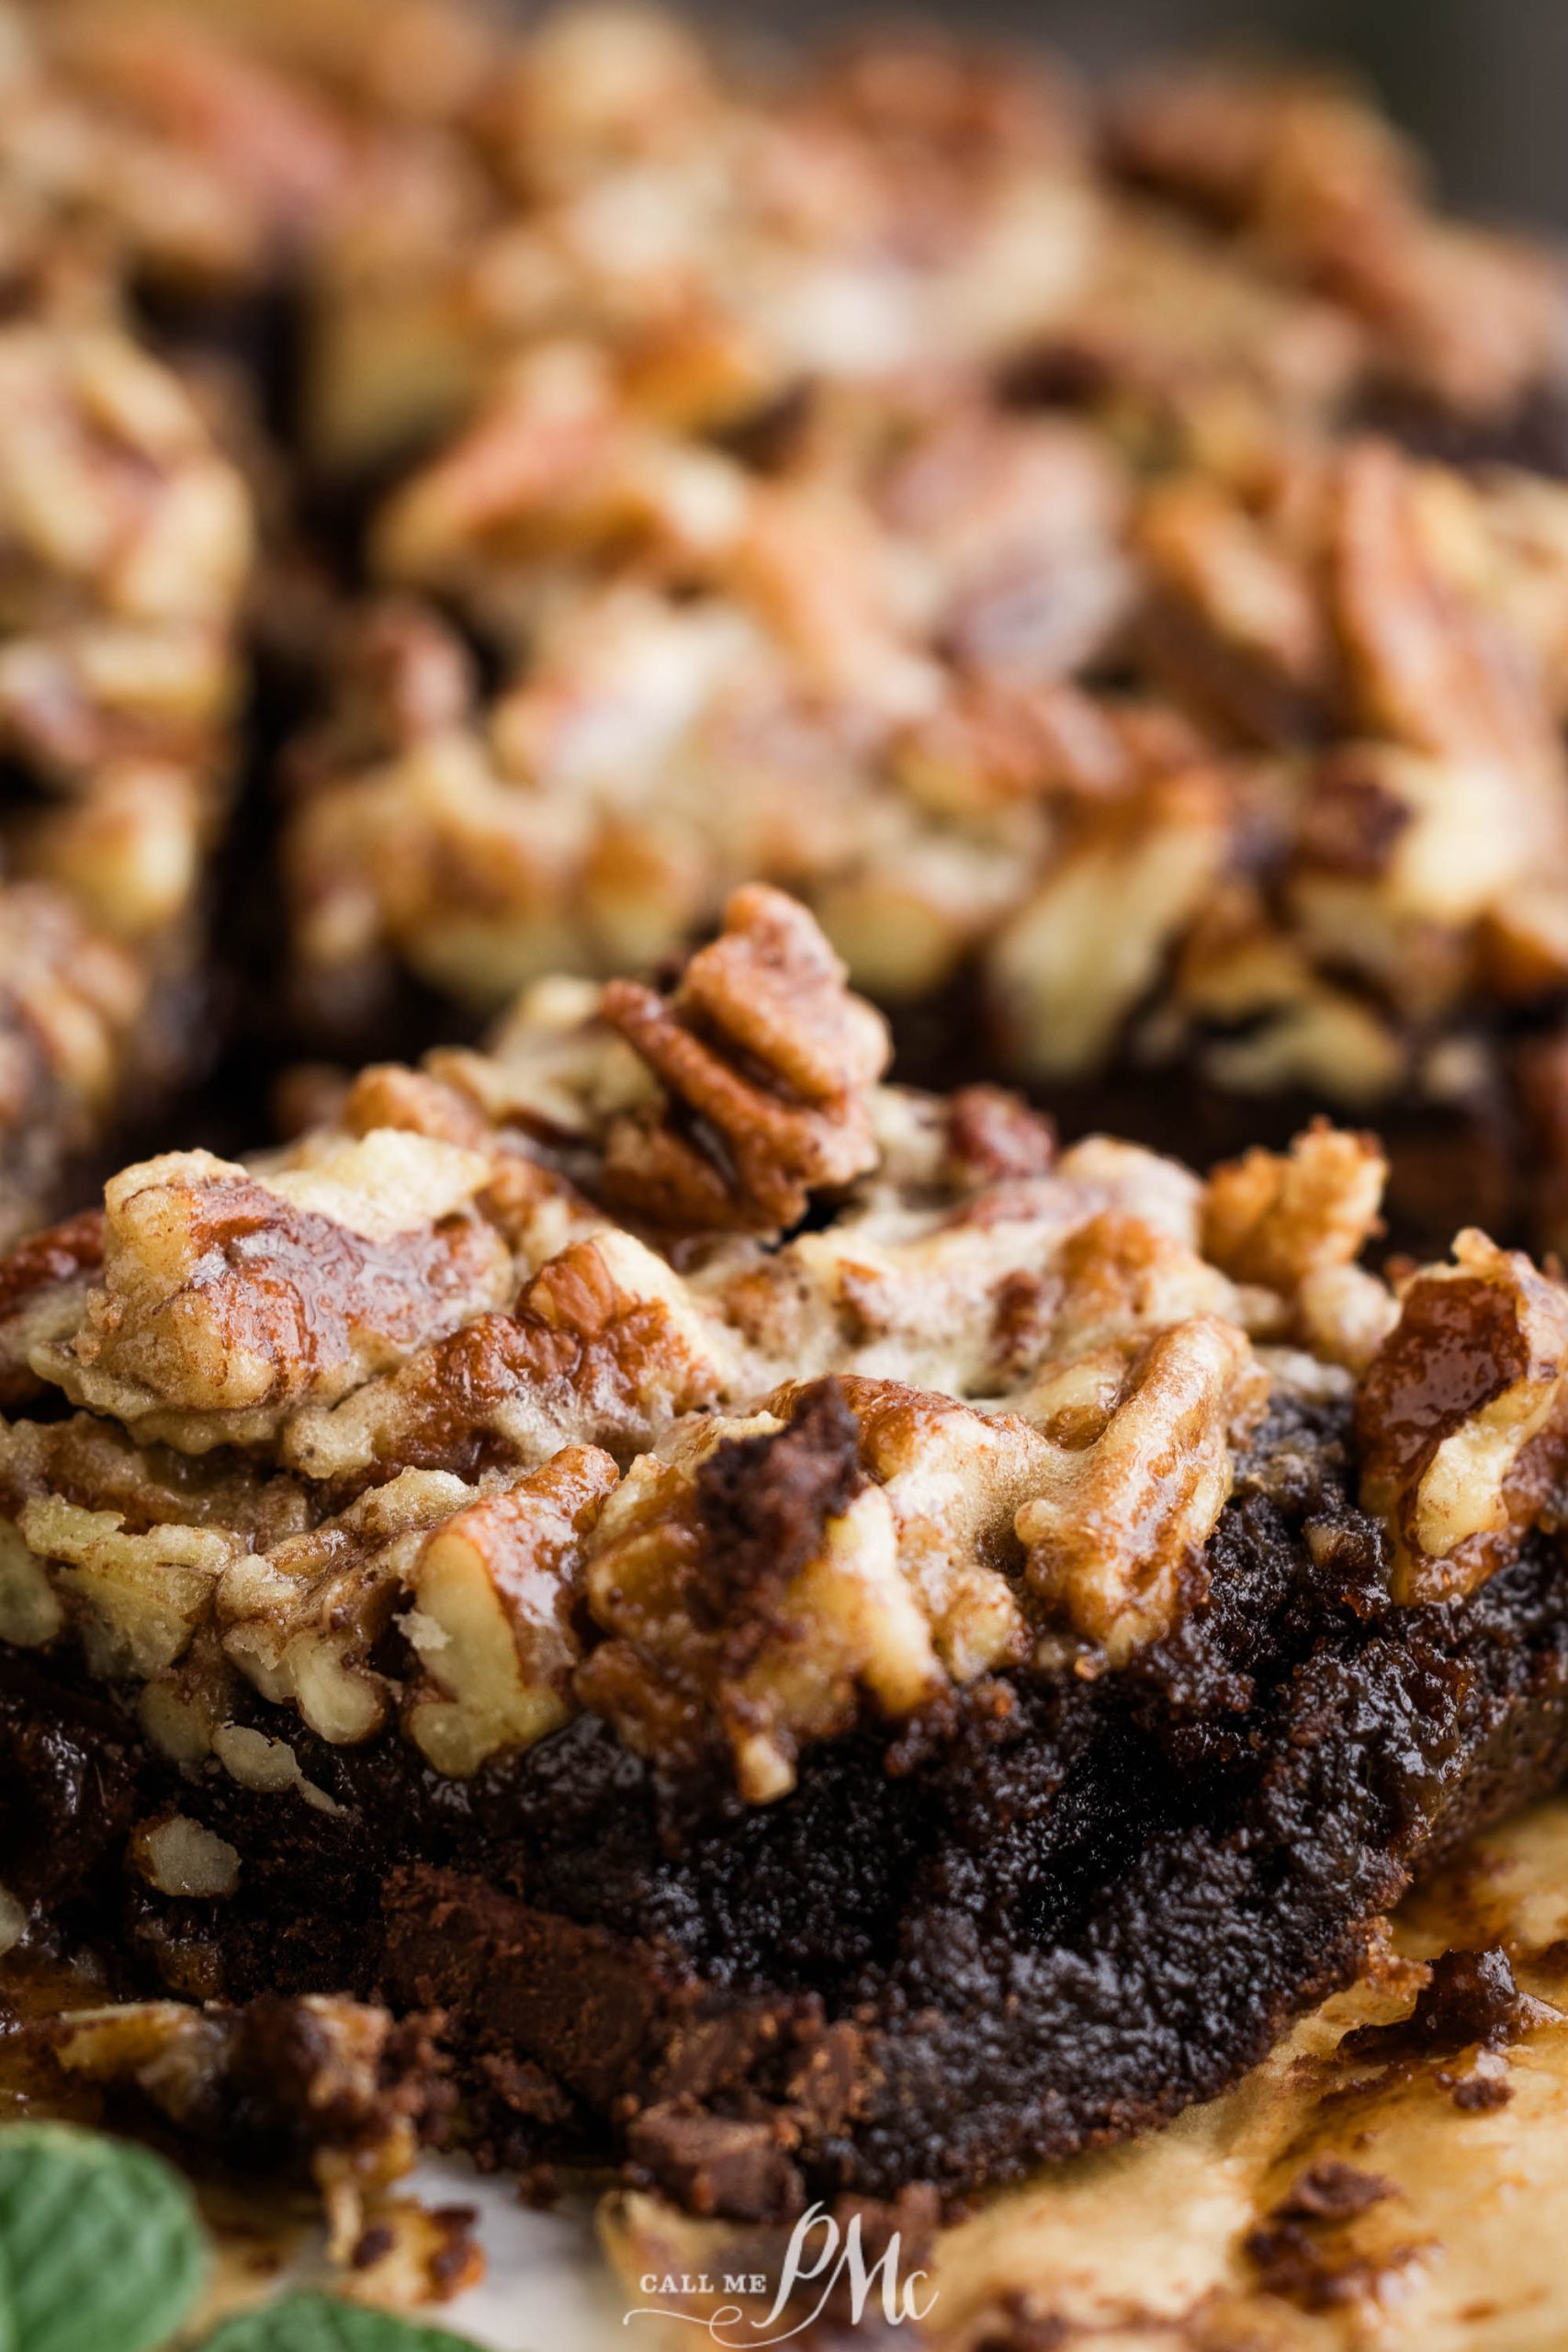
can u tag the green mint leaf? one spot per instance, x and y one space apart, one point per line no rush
100 2246
317 2324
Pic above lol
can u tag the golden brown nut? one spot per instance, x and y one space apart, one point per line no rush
1462 1418
1278 1218
493 1595
760 1046
1140 1468
70 1006
749 1590
226 1302
1086 944
1468 322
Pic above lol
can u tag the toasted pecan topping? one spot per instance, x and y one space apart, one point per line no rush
953 1479
1208 556
1229 141
1140 1468
72 1005
993 1135
604 1345
129 536
1335 195
860 651
491 1615
58 1255
226 1300
1082 950
125 536
614 1323
449 1446
787 576
1426 668
1278 1218
749 1588
790 578
390 1096
1463 1418
301 1619
763 1051
1118 1274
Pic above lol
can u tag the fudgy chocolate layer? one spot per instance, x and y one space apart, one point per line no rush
1063 1910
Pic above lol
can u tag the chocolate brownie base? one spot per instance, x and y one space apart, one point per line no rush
1057 1914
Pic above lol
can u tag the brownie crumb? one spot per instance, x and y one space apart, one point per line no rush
1295 2265
1331 2190
1472 1998
761 1506
372 2246
711 2164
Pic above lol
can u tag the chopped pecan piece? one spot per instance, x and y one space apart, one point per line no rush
301 1619
1466 321
178 1857
749 1588
493 1595
72 1006
1081 950
1140 1467
227 1300
1427 668
1462 1418
768 1060
41 1285
138 1596
606 1347
128 535
1278 1218
1257 599
955 1479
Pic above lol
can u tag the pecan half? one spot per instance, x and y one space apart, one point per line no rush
1140 1467
227 1300
766 1059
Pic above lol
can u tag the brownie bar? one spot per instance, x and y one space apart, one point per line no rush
1101 641
1047 532
127 537
1084 1906
835 1642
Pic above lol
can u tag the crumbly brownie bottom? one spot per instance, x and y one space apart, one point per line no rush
1066 1911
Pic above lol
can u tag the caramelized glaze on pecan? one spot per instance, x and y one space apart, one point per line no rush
765 1061
1463 1418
